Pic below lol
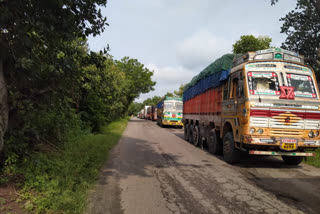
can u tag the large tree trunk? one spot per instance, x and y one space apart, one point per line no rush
4 108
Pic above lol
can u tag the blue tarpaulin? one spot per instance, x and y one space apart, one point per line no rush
211 77
203 85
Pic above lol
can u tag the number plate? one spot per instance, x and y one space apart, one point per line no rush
288 144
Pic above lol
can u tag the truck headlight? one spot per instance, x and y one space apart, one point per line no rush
316 134
311 134
260 131
252 130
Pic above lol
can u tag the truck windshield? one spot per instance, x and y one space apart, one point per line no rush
263 83
179 106
168 106
303 85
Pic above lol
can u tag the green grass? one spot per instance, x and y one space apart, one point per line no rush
59 182
314 161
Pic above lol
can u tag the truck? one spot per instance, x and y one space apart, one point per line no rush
149 113
170 111
264 103
141 114
145 112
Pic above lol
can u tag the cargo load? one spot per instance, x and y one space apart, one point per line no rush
263 103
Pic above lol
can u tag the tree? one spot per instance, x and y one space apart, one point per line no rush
152 101
169 94
135 108
38 53
179 93
251 43
314 3
138 78
302 27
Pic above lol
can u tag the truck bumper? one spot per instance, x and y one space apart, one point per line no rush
172 123
267 141
252 152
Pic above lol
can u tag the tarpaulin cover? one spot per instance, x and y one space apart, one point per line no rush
168 98
159 104
211 77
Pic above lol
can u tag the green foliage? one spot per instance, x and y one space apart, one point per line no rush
135 108
314 161
179 93
169 94
302 27
59 181
251 43
58 92
152 101
138 78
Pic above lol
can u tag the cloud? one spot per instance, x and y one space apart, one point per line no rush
201 48
168 78
170 75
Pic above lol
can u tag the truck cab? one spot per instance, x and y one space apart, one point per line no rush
170 111
271 106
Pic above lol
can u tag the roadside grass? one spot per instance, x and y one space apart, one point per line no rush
314 161
58 182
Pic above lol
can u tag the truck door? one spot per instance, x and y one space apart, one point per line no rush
236 95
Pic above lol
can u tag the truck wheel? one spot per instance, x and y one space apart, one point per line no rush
215 145
190 133
196 137
186 135
230 153
292 160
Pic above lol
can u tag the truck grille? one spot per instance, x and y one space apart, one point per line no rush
311 124
259 121
286 133
280 121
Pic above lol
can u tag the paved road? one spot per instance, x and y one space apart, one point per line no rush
153 170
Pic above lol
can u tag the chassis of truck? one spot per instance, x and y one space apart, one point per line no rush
170 112
264 103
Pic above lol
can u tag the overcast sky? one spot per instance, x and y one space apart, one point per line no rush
178 38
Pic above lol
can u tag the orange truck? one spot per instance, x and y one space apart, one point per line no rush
264 103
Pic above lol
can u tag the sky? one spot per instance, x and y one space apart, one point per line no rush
176 39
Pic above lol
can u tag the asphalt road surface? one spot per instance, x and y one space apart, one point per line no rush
153 170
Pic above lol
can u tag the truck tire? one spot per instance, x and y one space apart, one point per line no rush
190 133
231 155
292 160
214 145
196 136
186 134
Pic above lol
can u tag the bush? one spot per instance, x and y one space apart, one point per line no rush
58 181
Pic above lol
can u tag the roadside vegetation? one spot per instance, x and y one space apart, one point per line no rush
59 101
58 181
314 161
